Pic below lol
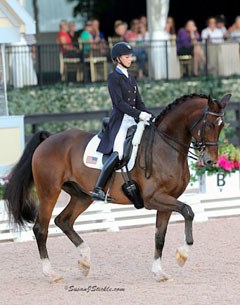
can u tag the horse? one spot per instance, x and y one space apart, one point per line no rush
54 162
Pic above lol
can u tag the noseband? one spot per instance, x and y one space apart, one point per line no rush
202 143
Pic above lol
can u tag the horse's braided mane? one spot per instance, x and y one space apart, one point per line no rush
178 101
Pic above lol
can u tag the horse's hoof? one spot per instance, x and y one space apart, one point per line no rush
84 261
181 256
84 266
163 277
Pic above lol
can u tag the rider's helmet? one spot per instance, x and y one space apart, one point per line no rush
119 49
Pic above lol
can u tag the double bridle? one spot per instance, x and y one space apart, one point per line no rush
202 143
199 145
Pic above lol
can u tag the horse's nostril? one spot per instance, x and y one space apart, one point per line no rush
209 162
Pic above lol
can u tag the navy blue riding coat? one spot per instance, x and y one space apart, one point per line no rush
125 100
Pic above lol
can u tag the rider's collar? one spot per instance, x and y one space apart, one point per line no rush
122 71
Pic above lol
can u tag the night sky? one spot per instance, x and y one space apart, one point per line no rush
180 10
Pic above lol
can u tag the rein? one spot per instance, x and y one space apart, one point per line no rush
199 145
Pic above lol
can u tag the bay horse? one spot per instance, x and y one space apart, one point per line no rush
55 162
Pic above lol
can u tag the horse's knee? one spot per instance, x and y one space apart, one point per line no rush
187 212
62 223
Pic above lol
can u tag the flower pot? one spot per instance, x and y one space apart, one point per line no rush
219 182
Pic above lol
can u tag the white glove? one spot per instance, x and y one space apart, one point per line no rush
144 116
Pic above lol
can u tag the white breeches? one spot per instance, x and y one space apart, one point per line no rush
127 122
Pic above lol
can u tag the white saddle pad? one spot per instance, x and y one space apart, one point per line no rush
93 158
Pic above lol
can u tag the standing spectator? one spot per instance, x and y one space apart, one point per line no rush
187 44
138 51
235 33
221 24
143 20
143 35
212 33
170 27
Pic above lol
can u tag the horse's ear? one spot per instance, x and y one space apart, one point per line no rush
210 103
225 100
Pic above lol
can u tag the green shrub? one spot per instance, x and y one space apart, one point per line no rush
79 97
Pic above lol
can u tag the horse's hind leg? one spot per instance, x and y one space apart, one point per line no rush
161 229
65 220
47 201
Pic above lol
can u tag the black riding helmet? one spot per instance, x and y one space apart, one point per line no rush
121 48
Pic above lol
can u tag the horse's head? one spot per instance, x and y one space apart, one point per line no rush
207 128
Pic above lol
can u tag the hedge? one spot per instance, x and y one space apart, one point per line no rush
80 97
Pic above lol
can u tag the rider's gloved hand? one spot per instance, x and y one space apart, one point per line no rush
144 116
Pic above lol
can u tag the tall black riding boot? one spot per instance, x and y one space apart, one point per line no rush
108 167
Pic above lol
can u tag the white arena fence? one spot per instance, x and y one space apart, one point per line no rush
113 217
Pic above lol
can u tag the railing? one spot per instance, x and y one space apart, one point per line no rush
35 120
44 65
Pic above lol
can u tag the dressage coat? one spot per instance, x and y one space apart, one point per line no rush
125 100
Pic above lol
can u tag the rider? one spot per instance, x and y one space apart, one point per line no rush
128 108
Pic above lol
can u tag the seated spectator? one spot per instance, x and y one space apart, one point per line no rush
143 20
132 34
187 44
235 33
212 33
73 34
120 28
65 41
221 24
98 37
86 38
143 34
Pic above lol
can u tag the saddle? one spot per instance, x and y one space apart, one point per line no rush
128 147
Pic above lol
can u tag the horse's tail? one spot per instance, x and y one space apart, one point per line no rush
18 198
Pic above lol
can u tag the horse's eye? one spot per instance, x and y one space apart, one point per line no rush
210 124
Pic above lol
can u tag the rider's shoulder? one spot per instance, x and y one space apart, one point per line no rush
113 76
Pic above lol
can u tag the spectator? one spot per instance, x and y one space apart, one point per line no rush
235 33
187 44
86 38
120 28
143 20
138 51
212 33
170 27
65 40
221 24
132 34
98 37
73 34
143 35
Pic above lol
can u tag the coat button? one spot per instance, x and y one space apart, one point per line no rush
134 99
128 99
129 91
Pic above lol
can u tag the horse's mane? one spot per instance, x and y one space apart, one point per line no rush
177 102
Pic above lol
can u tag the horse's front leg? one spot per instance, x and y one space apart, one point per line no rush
166 203
161 229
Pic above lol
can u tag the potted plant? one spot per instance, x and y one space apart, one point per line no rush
224 173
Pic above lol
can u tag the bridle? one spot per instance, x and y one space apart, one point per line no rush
199 145
202 143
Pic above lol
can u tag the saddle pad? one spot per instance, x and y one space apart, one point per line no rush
93 158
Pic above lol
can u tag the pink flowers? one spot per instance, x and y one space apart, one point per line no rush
226 164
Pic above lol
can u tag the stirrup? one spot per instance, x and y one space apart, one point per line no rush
98 194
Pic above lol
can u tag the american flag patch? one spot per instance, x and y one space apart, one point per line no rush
91 160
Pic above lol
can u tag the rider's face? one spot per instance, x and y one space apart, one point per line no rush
126 60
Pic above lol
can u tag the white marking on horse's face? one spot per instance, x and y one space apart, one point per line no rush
199 132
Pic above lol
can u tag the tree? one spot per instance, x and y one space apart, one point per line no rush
90 8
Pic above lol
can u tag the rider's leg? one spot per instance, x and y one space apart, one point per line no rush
108 167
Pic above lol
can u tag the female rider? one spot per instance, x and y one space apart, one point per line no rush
128 108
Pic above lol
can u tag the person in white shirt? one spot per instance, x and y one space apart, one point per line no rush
212 33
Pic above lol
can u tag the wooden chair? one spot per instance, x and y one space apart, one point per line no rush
94 60
70 65
186 65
